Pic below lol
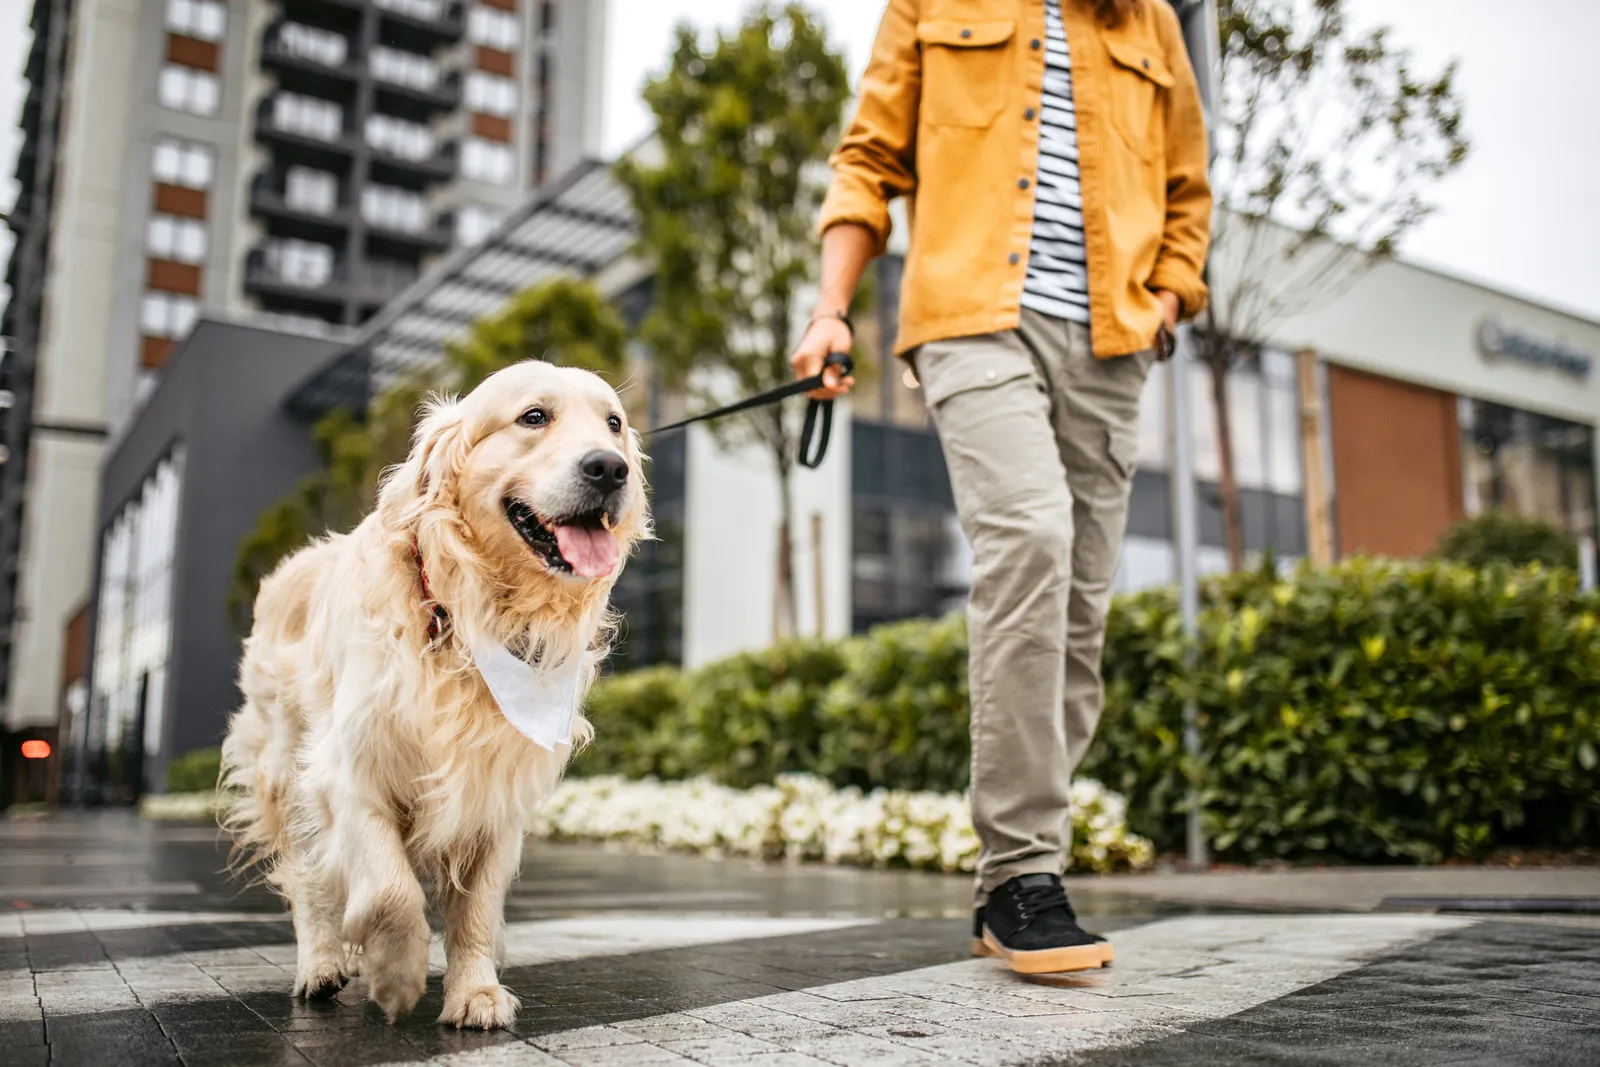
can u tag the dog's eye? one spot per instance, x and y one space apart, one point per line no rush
615 422
534 417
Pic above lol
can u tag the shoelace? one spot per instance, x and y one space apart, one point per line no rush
1035 900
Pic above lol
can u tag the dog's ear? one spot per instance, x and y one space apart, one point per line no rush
428 476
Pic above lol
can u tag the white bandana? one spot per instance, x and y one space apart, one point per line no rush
539 702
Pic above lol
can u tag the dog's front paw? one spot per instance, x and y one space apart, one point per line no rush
397 992
319 979
490 1007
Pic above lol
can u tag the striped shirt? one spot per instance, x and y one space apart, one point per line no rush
1057 283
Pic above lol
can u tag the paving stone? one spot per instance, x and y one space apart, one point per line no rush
823 978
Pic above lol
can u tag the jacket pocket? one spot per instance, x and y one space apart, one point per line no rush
965 74
1139 78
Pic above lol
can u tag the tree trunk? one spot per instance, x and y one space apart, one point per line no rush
785 621
1232 525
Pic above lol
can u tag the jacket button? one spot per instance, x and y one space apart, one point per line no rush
1034 44
1146 64
968 33
1028 114
991 376
1013 259
1022 183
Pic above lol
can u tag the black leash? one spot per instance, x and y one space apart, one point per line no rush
819 413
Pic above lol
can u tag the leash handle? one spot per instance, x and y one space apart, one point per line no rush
819 414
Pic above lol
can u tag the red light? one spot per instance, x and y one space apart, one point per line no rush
35 750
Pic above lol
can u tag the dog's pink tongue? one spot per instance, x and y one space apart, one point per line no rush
592 553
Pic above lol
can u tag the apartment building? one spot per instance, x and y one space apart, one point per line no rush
292 162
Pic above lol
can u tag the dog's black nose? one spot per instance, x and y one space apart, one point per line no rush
604 470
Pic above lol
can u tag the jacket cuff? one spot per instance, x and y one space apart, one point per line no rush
1182 282
847 202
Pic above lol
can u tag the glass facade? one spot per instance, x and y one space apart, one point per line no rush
133 633
1533 465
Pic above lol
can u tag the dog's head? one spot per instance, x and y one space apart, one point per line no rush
540 469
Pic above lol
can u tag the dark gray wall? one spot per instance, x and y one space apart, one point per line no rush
221 397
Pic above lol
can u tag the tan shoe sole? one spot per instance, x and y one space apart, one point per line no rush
1048 960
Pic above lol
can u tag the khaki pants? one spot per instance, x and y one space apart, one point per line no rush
1040 439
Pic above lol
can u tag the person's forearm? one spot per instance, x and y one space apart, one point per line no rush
846 250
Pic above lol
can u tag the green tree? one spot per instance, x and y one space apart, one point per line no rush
727 197
1329 142
564 320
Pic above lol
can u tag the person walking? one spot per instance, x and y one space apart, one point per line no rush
1053 153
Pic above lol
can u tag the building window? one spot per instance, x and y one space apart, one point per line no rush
408 140
305 263
205 19
133 631
184 163
491 94
308 116
167 314
403 68
307 189
394 209
1533 465
487 161
474 223
178 239
496 29
187 89
317 45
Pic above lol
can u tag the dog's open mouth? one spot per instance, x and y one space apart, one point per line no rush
582 545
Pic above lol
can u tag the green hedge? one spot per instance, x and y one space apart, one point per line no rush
1374 710
195 771
1501 537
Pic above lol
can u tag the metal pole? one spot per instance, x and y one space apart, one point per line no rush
1199 18
1185 545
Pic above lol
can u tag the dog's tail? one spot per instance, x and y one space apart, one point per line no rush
260 752
252 795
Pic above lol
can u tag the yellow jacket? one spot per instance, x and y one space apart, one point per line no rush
947 117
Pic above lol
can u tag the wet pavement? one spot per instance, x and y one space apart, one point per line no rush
122 943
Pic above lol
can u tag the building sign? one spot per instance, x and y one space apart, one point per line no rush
1498 342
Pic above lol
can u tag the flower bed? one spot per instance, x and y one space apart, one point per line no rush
802 817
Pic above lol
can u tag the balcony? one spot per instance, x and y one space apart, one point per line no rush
319 143
296 219
385 237
421 25
415 98
315 290
408 155
309 59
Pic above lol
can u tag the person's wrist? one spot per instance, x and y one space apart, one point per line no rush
825 314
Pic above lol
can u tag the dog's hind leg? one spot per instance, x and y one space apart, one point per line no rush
385 909
472 893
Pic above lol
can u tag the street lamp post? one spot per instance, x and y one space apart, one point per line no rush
1199 18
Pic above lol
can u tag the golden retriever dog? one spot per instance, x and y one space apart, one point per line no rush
370 758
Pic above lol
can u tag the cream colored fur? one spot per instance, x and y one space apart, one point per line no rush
368 763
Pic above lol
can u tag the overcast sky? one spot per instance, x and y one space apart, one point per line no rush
1523 214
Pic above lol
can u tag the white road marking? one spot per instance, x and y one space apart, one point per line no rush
1168 976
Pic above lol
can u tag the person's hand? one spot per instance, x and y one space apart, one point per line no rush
1171 307
825 335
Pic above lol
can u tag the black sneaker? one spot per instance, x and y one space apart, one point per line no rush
1029 924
